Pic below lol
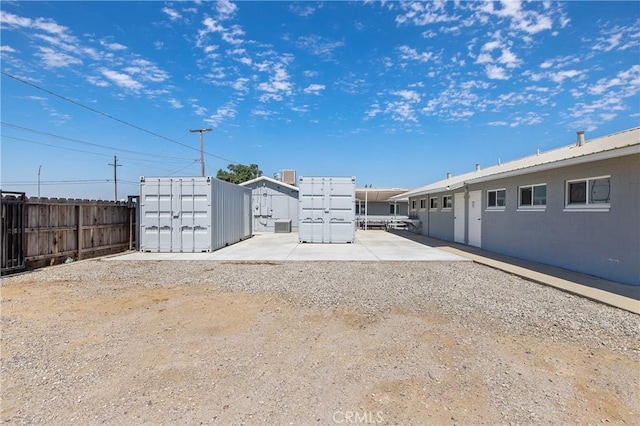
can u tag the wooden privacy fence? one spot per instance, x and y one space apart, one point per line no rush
57 229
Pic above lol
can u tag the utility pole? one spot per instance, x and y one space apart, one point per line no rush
201 131
39 168
115 177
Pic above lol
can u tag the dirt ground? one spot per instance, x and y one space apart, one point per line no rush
120 351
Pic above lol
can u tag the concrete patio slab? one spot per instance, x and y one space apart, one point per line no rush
369 246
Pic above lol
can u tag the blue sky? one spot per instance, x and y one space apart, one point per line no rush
394 93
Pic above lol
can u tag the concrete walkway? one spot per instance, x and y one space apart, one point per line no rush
622 296
370 246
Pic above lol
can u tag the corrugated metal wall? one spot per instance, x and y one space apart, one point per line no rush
192 214
327 209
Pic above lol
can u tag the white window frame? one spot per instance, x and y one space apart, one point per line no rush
431 203
423 203
414 204
531 207
496 207
444 205
588 206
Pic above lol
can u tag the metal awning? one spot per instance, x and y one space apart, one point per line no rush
374 195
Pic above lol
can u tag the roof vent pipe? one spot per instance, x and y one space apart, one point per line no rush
580 138
477 167
448 175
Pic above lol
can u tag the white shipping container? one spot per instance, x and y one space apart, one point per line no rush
192 214
327 209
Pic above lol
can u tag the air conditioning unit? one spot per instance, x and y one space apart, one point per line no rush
289 177
282 226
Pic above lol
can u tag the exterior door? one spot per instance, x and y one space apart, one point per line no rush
458 217
475 218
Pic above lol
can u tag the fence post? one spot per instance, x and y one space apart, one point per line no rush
79 221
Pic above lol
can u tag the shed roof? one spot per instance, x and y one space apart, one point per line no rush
614 145
268 179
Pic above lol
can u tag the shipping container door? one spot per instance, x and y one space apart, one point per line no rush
155 215
312 197
339 211
191 223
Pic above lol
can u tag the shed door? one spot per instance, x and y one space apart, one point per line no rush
475 216
458 217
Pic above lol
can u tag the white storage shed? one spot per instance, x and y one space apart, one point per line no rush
272 202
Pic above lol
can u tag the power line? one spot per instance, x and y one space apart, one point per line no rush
93 153
26 129
104 114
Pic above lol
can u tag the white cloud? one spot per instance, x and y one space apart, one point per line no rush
528 119
629 79
528 21
277 86
401 111
54 59
227 111
484 58
147 71
231 35
491 45
560 76
8 49
318 46
302 9
261 113
615 37
374 110
175 103
314 89
113 46
407 95
606 99
11 20
509 59
171 13
97 81
424 13
198 110
546 64
309 73
409 53
496 73
122 80
225 9
241 84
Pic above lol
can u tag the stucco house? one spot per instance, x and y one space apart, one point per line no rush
575 207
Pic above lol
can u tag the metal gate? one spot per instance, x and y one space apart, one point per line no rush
12 250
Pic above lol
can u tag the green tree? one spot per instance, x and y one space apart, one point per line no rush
238 173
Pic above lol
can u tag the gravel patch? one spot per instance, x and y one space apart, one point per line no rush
309 342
